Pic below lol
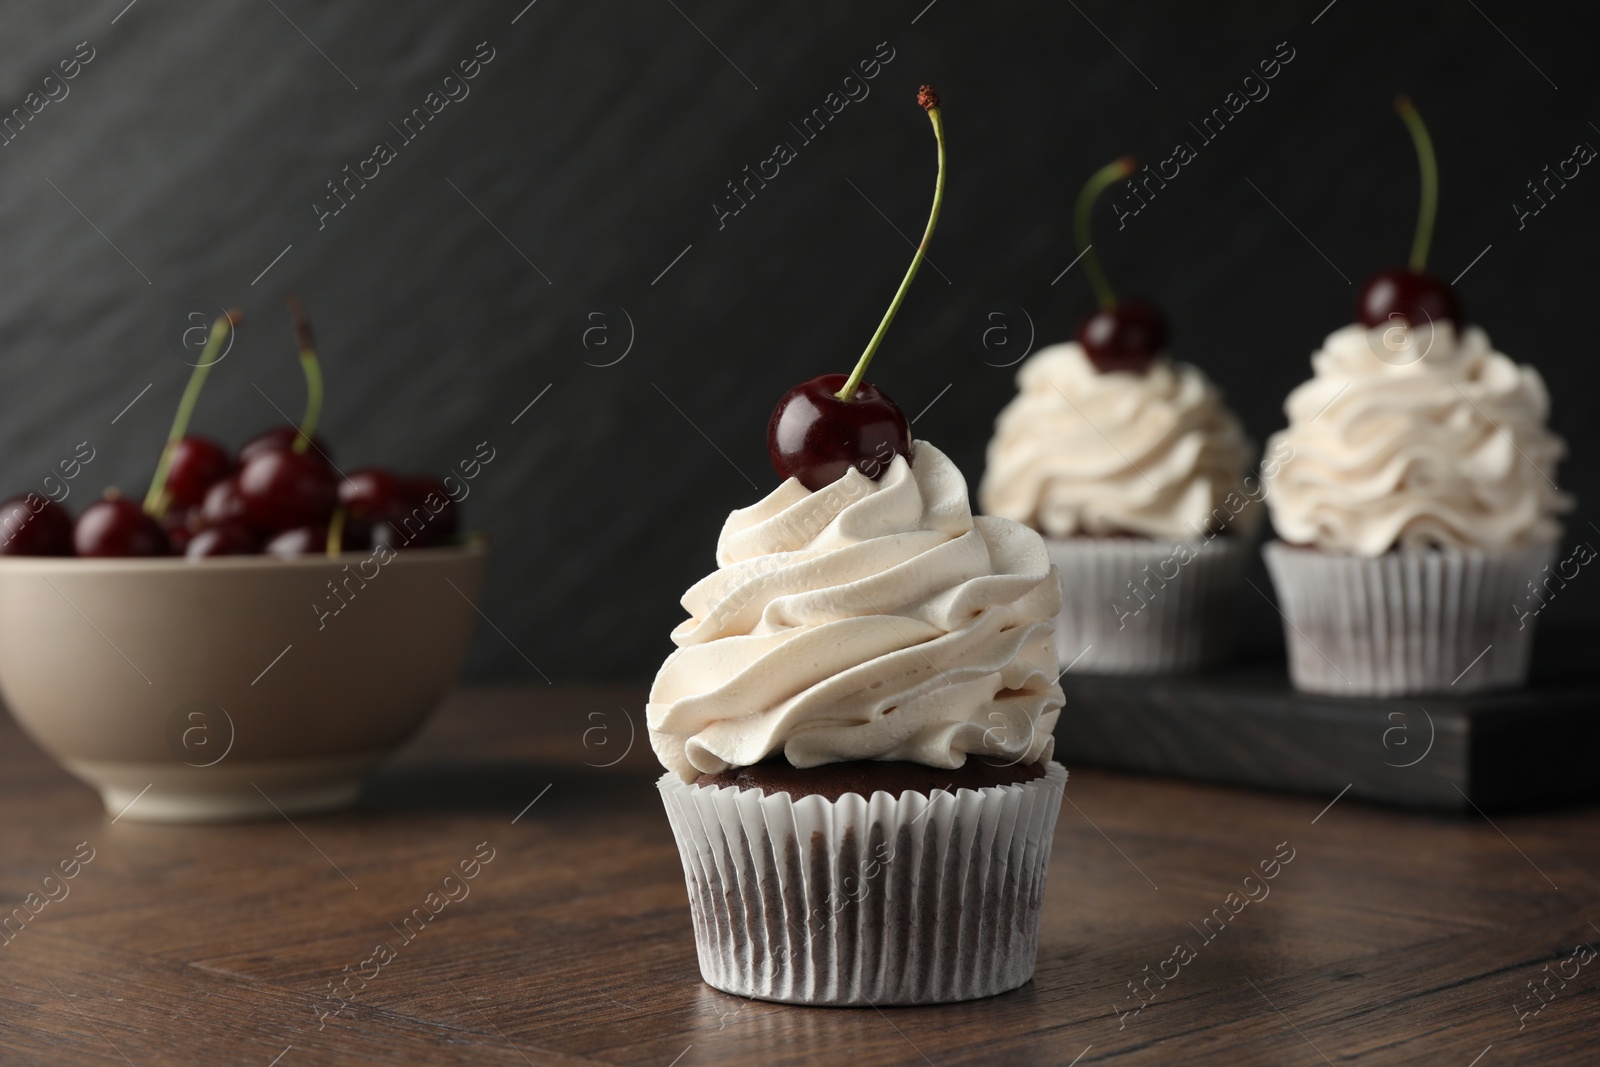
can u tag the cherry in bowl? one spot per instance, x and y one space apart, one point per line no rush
194 466
31 525
117 526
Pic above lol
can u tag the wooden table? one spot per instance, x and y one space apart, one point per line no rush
1389 938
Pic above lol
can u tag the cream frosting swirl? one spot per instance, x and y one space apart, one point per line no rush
1419 439
867 620
1081 452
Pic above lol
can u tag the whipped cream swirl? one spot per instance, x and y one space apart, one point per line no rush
1419 439
868 620
1081 452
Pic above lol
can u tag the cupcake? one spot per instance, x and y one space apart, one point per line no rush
857 730
1415 498
857 722
1415 504
1134 470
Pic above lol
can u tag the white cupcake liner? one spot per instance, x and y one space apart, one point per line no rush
1121 613
889 900
1405 622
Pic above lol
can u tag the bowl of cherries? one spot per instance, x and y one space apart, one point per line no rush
249 638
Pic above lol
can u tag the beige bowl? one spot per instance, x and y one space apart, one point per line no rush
233 687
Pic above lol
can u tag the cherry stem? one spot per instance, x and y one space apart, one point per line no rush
313 373
336 532
155 502
1098 182
1430 181
930 101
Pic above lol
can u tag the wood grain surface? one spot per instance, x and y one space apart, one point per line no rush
1388 937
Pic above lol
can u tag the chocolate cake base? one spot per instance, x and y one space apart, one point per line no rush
865 777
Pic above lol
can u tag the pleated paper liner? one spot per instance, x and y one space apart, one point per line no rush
913 899
1405 622
1137 606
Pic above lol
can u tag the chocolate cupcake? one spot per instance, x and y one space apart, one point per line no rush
857 728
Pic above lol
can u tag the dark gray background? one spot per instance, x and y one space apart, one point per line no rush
597 141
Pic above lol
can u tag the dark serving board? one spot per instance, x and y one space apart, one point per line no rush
1246 725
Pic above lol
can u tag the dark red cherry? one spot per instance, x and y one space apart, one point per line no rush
222 503
32 525
300 541
283 489
430 494
374 493
281 437
1412 295
181 524
815 437
197 464
117 526
1124 337
224 539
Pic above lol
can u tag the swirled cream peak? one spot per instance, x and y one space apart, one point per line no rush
867 620
1418 439
1081 452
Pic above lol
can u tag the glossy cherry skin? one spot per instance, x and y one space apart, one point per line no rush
815 437
280 437
282 489
1413 295
224 539
222 503
1126 337
197 464
300 541
181 524
31 525
118 527
374 492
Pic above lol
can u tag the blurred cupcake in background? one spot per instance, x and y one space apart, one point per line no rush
1133 469
1418 500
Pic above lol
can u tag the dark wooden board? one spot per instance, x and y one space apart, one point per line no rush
1247 725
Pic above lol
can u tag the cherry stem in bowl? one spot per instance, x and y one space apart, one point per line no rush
1098 182
1429 207
336 532
930 103
155 502
313 373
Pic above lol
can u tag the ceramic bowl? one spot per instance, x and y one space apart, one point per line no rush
233 687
